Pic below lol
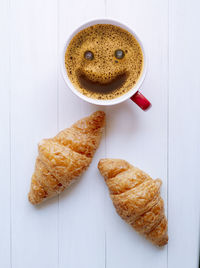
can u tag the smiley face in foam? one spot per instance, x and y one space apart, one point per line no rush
104 61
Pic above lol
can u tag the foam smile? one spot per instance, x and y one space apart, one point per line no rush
102 88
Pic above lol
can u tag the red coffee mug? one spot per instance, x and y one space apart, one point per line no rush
134 94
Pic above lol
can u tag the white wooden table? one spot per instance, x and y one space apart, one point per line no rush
81 229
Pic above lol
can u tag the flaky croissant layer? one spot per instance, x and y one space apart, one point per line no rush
65 157
136 197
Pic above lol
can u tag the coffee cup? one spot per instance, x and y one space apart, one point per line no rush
134 94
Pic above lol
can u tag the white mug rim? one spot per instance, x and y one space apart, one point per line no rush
123 97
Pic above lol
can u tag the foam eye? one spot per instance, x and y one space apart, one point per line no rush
119 54
88 55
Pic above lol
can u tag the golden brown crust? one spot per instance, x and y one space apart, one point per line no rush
147 222
126 180
61 161
158 235
65 157
111 167
136 197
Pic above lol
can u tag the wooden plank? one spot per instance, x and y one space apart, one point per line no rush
81 208
5 135
137 136
33 117
184 132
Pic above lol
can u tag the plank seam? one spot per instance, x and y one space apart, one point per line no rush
10 133
58 199
105 250
105 4
168 85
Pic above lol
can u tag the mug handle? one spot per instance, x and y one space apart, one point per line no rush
141 101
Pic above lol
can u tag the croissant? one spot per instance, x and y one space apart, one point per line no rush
65 157
136 197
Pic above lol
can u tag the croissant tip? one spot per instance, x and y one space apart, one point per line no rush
99 116
101 163
31 200
164 242
101 160
99 113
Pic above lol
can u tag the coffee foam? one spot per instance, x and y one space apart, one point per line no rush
103 71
